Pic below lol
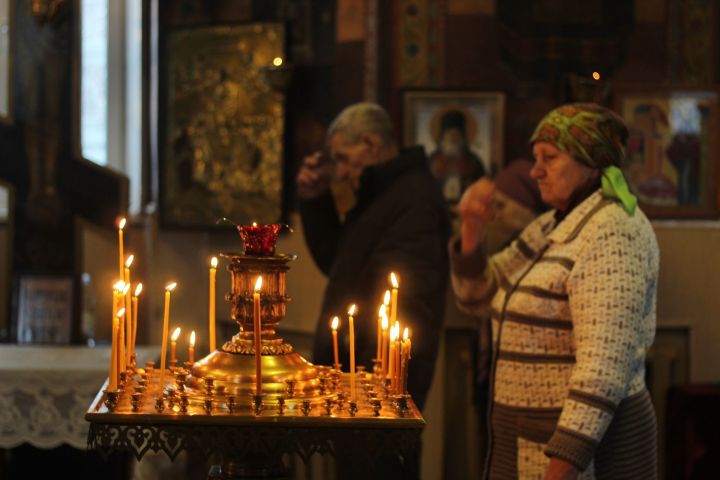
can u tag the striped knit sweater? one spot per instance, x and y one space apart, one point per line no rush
573 314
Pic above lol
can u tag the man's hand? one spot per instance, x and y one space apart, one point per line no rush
476 210
560 470
314 176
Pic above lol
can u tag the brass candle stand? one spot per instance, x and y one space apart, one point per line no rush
212 407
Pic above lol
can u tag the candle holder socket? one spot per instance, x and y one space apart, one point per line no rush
352 408
376 366
328 404
290 387
180 379
184 402
341 401
323 385
208 406
280 405
257 403
123 379
231 403
306 407
402 403
111 399
136 401
160 404
376 405
209 383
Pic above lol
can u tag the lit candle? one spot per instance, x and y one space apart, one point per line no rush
191 349
138 290
166 317
121 336
383 308
334 326
351 328
385 326
394 299
113 376
211 304
258 346
128 310
121 246
173 346
406 348
391 361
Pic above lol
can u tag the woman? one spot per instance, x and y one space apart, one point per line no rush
572 302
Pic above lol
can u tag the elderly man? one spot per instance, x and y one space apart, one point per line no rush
399 223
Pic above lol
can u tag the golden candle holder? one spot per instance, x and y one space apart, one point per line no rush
111 399
257 403
352 408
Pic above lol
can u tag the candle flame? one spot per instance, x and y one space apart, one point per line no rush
385 321
213 262
254 224
121 313
175 334
393 280
393 335
171 286
596 75
381 310
258 284
335 323
277 61
406 334
119 285
129 260
192 338
122 222
386 300
138 289
352 310
126 289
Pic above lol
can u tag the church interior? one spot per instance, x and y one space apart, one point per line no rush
172 115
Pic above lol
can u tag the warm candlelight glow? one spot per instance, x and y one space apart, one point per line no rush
386 299
121 313
351 331
254 224
166 318
211 304
384 349
191 348
175 335
406 334
394 280
257 336
129 261
126 288
277 61
596 75
138 289
335 323
258 284
171 286
214 262
352 309
122 222
385 321
192 338
119 285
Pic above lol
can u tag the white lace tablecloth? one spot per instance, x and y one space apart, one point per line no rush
46 390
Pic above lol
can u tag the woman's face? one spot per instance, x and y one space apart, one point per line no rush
558 174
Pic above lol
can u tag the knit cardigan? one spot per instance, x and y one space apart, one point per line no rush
573 315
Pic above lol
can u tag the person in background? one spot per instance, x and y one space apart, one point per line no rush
399 223
572 304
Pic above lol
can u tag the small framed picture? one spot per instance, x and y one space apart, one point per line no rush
462 132
672 153
44 309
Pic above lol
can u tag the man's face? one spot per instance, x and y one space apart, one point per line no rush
452 142
351 159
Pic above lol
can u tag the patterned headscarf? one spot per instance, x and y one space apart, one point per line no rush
594 136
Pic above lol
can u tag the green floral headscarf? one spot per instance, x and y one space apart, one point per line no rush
594 136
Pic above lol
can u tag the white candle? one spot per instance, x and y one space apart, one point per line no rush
166 317
128 311
191 348
351 328
121 246
334 326
138 290
113 375
122 359
211 304
257 333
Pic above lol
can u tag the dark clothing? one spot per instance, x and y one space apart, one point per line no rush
400 223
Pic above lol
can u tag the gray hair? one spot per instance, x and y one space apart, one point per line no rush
362 118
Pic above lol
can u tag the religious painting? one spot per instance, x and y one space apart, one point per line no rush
44 309
671 157
223 126
5 59
462 133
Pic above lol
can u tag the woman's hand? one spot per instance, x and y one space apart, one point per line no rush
560 470
476 210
